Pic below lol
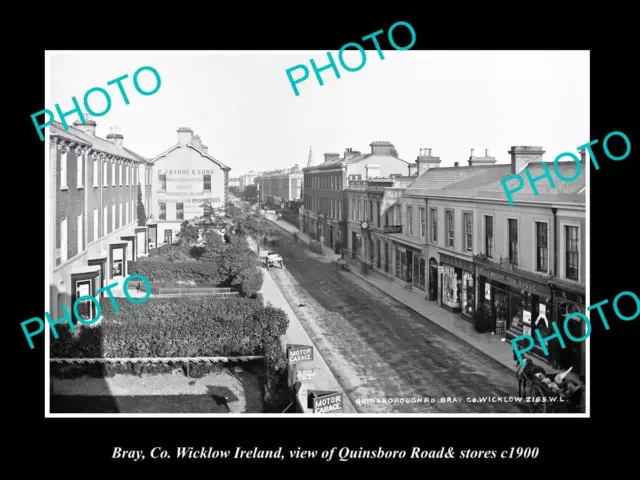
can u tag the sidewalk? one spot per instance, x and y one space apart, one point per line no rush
490 345
324 378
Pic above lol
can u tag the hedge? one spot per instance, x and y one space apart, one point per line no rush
159 271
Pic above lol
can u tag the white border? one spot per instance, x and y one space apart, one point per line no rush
49 267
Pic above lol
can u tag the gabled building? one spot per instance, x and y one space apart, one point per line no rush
186 183
325 211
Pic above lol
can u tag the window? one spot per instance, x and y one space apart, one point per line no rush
163 183
571 253
126 172
513 241
542 246
207 210
379 215
366 215
423 222
488 236
371 204
179 211
80 170
120 174
434 225
409 220
399 214
163 211
113 217
63 240
104 221
340 210
207 183
120 222
80 234
468 231
83 289
95 172
104 173
126 212
450 231
113 174
96 234
353 209
63 171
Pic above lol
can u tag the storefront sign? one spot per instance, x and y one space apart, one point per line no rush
393 229
306 375
543 315
516 282
299 353
328 403
457 262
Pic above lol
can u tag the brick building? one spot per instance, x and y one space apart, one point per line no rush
279 186
94 185
186 183
325 211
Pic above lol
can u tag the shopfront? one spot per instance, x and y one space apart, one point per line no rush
516 304
458 285
568 302
407 265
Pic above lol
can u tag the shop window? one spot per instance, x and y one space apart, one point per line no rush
179 211
488 236
418 271
513 241
468 295
163 182
571 253
542 245
451 286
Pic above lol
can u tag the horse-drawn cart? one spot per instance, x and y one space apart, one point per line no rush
549 392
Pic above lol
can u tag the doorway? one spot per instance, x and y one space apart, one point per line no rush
354 244
433 279
168 237
331 237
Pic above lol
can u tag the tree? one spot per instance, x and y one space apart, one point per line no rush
250 193
142 215
188 234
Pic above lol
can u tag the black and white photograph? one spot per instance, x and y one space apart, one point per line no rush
245 233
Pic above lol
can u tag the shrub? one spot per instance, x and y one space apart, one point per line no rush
158 271
249 281
169 253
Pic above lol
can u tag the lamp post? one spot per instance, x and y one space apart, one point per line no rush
259 217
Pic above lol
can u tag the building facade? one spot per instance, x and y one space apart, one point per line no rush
234 182
247 179
325 211
186 183
94 185
280 186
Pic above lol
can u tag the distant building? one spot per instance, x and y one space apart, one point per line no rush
324 212
234 182
279 186
94 215
248 179
187 183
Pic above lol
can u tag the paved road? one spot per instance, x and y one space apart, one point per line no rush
379 349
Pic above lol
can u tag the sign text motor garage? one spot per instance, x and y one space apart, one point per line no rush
300 353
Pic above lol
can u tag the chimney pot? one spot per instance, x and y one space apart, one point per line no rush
455 164
486 152
472 152
89 125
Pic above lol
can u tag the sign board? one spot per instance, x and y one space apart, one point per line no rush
299 353
440 269
526 322
306 375
330 402
393 229
543 315
487 291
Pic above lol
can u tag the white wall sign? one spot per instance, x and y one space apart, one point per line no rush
543 315
526 322
487 291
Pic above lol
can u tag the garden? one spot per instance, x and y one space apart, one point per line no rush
188 326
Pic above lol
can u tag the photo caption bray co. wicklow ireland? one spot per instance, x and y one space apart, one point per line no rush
220 243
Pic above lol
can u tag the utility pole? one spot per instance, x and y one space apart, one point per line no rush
259 217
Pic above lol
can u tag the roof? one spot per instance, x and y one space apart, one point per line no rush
188 145
352 160
484 181
100 144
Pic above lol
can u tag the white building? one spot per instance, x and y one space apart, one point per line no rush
186 183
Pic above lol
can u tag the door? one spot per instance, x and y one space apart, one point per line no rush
433 280
331 236
354 244
167 237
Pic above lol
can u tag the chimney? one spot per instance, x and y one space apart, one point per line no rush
412 169
373 170
583 155
455 164
204 148
382 148
425 161
481 161
520 156
330 157
115 136
88 127
185 134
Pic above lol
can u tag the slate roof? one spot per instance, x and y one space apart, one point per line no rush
355 159
100 144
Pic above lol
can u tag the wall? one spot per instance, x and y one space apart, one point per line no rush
388 166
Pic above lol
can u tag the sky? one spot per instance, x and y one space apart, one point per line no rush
245 110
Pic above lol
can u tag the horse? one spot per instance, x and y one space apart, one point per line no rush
527 373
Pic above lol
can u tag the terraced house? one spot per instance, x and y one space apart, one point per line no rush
94 184
325 211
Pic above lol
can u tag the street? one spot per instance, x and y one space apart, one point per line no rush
379 349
